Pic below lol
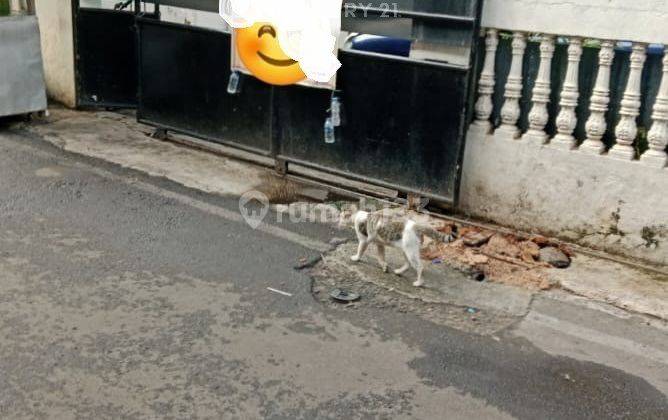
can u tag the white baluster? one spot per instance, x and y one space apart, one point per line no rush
567 120
484 105
658 135
600 99
627 129
510 112
538 116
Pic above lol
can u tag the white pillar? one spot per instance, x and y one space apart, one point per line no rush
538 116
627 129
484 105
658 135
600 99
56 32
567 120
510 112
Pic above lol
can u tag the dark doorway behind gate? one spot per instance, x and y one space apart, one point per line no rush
105 55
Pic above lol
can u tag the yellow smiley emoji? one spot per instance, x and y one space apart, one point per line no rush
260 52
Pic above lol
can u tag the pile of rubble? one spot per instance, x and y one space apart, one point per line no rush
485 254
504 258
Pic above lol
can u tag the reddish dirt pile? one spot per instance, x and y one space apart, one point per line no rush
502 258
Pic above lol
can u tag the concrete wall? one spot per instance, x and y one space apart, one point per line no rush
55 20
613 205
629 20
595 200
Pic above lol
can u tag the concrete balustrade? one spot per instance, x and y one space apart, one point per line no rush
510 113
484 105
538 117
566 183
658 135
600 98
566 120
626 130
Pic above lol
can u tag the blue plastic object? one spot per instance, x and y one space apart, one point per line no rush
652 49
382 45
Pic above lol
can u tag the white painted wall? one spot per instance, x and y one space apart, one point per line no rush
55 21
613 205
629 20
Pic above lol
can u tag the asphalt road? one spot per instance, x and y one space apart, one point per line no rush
124 296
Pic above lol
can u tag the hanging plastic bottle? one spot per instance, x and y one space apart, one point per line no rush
233 86
335 108
329 131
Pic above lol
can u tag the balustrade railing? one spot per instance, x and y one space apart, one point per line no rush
584 97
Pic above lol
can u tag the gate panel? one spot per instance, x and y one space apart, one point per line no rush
106 57
404 117
184 73
402 127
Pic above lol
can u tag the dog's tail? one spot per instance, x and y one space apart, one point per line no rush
432 233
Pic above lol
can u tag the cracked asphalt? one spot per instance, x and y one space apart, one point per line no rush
127 296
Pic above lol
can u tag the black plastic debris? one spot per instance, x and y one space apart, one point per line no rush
478 275
304 262
344 296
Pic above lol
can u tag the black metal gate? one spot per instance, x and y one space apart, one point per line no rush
183 76
404 114
105 55
404 125
405 117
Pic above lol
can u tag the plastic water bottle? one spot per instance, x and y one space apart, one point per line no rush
329 131
233 84
336 111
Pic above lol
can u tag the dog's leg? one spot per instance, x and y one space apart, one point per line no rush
411 246
401 270
416 263
381 257
363 242
361 248
419 282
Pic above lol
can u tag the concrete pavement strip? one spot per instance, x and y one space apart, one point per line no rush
119 139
